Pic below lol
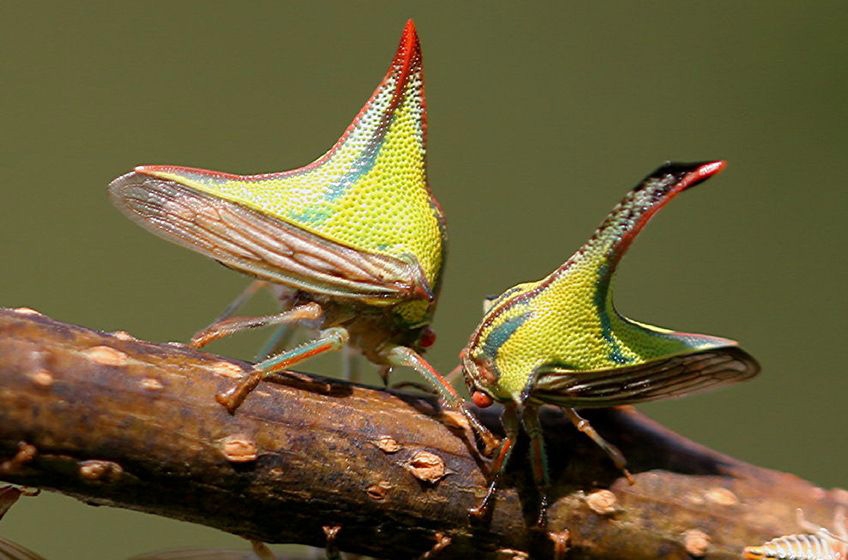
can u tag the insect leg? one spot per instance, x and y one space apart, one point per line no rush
612 451
538 459
248 292
280 336
279 339
454 374
510 424
261 550
350 364
226 327
404 356
450 378
329 339
331 548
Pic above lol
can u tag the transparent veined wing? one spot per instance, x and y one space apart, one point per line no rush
671 377
263 246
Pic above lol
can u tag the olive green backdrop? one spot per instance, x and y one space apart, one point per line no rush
541 116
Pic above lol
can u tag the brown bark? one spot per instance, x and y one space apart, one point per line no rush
113 420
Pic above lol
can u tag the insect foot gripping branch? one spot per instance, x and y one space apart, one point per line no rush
560 340
357 234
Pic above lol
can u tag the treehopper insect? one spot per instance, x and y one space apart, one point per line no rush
356 235
560 340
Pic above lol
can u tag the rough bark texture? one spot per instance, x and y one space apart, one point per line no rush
113 420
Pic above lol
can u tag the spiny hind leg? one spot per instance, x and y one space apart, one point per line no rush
407 357
280 338
538 459
328 340
511 426
231 325
386 371
612 451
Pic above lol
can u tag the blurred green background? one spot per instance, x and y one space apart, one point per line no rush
541 116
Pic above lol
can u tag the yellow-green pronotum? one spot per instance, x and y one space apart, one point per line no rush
560 340
357 233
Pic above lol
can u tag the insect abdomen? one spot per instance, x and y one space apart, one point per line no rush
793 547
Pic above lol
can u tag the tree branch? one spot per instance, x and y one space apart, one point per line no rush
113 420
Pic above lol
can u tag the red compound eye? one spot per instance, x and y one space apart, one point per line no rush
427 338
481 399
